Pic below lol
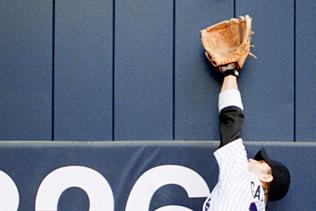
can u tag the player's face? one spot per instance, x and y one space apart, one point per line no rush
261 169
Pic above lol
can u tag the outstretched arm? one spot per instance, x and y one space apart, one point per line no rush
230 107
227 45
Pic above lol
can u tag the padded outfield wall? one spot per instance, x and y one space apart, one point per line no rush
118 88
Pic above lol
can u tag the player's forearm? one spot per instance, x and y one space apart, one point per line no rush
230 82
230 95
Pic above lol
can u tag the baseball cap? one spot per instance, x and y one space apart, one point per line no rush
280 184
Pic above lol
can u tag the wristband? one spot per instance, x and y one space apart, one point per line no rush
229 69
233 72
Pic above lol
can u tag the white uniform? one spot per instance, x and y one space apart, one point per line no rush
237 188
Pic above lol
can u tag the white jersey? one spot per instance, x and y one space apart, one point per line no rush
237 189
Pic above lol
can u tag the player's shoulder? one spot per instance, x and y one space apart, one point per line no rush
234 148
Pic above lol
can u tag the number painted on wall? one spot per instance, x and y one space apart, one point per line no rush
99 191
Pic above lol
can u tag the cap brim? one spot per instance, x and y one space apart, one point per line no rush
262 155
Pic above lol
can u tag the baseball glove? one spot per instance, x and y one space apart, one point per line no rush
227 43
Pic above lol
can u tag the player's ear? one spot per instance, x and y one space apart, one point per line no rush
266 178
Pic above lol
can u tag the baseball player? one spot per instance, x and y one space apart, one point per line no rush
243 185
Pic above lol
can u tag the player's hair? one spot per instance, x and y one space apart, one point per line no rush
266 188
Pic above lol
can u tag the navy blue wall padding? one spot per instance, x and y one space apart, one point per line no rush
117 70
25 70
305 71
123 163
143 70
83 70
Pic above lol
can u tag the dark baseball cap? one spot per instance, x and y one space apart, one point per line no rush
280 184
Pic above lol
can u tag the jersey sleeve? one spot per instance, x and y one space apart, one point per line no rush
231 116
233 163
